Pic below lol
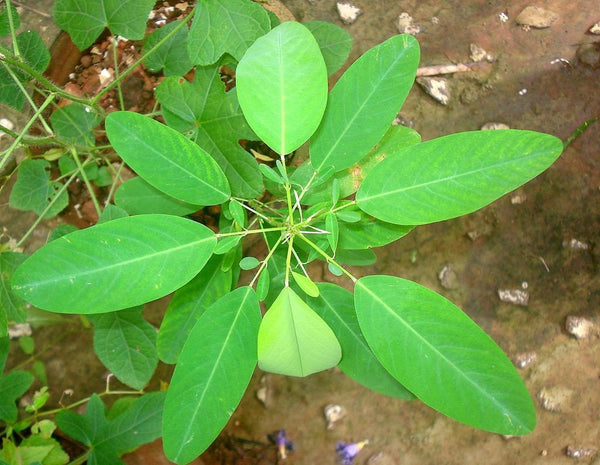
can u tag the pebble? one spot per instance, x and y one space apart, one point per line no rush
263 393
436 87
406 25
580 327
555 398
579 452
447 277
493 126
575 244
348 12
8 124
518 199
477 54
18 330
514 296
595 29
525 359
535 16
333 413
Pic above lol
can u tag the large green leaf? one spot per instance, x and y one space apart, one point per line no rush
74 123
85 20
126 344
114 265
122 431
172 55
442 356
166 159
35 191
216 123
364 102
282 86
225 26
336 306
212 374
188 303
12 386
293 340
335 43
454 175
137 197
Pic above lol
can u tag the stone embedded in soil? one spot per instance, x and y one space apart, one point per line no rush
525 359
575 244
589 54
493 126
8 124
580 327
406 25
580 452
348 12
333 413
555 399
476 53
514 296
595 28
535 16
518 199
436 87
447 277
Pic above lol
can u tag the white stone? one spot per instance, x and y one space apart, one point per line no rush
348 12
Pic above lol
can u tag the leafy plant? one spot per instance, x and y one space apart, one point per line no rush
356 182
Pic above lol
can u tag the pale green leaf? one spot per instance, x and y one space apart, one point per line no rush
364 102
306 284
213 371
166 159
293 340
172 55
287 111
440 355
114 265
454 175
249 263
335 43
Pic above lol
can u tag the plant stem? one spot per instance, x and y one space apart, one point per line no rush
328 258
265 262
575 134
252 231
117 78
11 27
83 175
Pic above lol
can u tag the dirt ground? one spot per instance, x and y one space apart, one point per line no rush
536 82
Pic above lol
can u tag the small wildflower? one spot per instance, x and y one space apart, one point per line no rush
284 445
347 452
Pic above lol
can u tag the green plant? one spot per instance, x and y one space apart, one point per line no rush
362 183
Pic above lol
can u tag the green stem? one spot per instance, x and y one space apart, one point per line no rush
83 175
265 262
253 231
11 27
288 260
579 131
117 74
327 257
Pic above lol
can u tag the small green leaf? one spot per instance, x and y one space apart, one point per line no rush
306 284
35 191
238 213
454 175
12 386
94 270
287 111
111 212
229 26
85 20
166 159
369 232
27 344
331 225
126 344
293 340
137 197
335 43
212 373
4 24
270 173
334 269
262 285
12 305
227 243
364 102
172 55
249 263
336 306
348 216
74 124
437 352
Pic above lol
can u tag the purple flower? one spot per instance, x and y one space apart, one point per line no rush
284 445
347 451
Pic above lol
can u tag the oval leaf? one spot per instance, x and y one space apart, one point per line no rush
454 175
334 41
114 265
166 159
364 102
306 284
281 85
442 356
213 371
293 340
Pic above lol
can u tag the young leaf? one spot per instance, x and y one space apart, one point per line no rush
166 159
85 20
293 340
331 225
454 175
336 306
126 344
364 102
212 373
306 284
335 43
137 197
442 356
35 191
281 83
12 386
249 263
262 285
188 304
172 55
216 122
225 27
226 243
270 173
95 270
369 232
238 213
74 124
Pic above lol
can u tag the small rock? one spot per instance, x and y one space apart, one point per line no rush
333 413
8 124
348 12
525 359
514 296
589 54
580 327
493 126
476 53
406 25
436 87
579 452
18 330
555 399
447 277
263 393
595 29
535 16
575 244
518 199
